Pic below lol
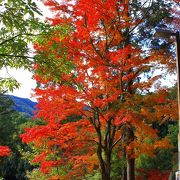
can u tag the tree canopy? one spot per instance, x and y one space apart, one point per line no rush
90 92
19 27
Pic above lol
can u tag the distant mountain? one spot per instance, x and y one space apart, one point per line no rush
23 105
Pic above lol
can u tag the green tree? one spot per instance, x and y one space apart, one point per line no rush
19 27
12 167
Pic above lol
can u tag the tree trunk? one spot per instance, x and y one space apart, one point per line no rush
104 164
130 169
124 169
124 174
105 176
130 156
108 164
106 173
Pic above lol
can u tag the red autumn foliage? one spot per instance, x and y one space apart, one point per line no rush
94 106
153 174
4 151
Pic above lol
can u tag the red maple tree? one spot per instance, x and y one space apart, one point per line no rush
90 92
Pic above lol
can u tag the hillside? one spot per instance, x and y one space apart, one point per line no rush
23 105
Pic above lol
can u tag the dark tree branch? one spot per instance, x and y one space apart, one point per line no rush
117 141
17 56
140 21
14 37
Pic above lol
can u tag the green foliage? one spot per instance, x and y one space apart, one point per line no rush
173 92
117 166
165 159
8 83
173 134
5 105
17 19
12 167
45 58
36 174
94 176
19 27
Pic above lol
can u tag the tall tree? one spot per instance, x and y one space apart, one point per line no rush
95 75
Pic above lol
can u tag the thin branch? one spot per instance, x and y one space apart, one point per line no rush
92 140
14 37
10 39
116 141
95 49
141 11
106 36
20 56
141 19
